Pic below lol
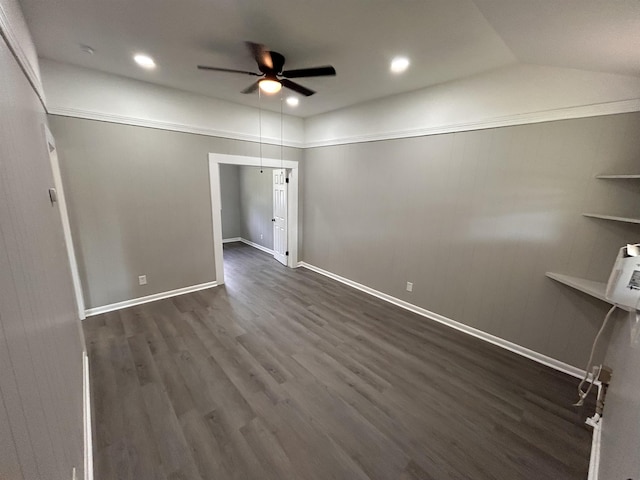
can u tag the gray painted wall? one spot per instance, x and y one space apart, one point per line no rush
474 219
139 203
247 203
41 424
230 198
256 200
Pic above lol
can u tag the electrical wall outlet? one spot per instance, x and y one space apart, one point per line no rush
74 474
409 287
261 236
142 280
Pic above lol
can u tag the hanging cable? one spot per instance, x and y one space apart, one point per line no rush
281 130
260 124
583 394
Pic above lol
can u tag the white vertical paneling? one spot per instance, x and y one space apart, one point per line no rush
40 343
17 434
620 433
16 33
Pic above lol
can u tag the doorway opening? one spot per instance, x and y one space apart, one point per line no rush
285 213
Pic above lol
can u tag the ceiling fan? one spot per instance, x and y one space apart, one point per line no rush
273 77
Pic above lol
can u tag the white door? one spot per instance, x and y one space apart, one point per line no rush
280 215
66 227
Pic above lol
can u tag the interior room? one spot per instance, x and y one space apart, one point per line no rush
312 240
246 195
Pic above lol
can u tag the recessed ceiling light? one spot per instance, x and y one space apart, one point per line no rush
293 101
399 64
145 61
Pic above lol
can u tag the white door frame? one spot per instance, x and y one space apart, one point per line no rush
215 159
66 225
279 218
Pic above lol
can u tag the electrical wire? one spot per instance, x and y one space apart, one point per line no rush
281 132
583 394
260 124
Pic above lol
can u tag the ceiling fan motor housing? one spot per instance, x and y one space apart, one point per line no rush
277 60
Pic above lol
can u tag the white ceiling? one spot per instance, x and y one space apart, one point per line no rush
600 35
445 39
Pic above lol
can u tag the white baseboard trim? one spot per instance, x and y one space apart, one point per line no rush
88 434
149 298
231 240
487 337
255 245
594 459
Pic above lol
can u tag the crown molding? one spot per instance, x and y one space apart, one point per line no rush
162 125
593 110
583 111
8 32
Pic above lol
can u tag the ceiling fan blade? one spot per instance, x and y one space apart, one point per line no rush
262 56
252 88
296 87
217 69
325 71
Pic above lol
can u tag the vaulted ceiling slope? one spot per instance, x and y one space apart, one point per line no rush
445 40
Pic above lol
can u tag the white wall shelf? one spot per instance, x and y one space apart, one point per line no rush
619 177
590 287
613 218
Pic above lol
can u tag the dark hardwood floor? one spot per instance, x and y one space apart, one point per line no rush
285 374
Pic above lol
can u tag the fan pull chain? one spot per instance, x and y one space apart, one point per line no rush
260 125
281 134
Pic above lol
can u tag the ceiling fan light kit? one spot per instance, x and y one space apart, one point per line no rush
269 85
271 65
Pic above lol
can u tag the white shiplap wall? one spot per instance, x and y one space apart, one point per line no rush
41 409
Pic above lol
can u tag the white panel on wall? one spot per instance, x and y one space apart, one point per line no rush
620 433
16 33
40 338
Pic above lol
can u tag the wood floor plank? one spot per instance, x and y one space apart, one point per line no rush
302 440
204 447
377 455
268 449
168 434
284 374
236 455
